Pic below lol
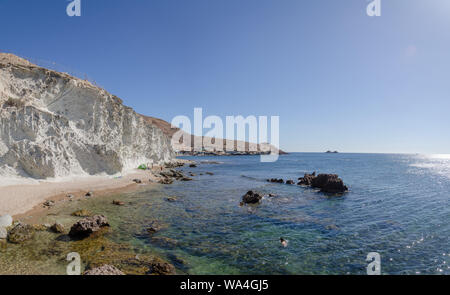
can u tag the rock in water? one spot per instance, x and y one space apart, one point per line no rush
3 233
307 179
87 226
54 125
6 220
20 233
329 183
118 203
105 270
251 198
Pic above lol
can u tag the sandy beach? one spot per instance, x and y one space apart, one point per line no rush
20 198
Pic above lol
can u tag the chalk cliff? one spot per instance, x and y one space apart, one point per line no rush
53 125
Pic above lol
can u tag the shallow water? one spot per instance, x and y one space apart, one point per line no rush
398 205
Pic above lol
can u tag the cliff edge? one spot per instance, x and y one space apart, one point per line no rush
54 125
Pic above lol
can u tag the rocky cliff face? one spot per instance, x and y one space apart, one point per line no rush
52 125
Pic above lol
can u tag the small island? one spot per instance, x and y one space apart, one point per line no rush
331 152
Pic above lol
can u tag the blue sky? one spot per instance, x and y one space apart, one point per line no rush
337 78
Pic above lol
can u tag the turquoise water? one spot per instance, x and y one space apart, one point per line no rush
398 205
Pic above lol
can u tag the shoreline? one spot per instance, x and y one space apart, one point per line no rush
22 200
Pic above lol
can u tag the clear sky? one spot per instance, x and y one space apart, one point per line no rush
337 78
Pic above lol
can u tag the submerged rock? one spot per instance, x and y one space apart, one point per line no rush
289 182
105 270
6 220
82 213
87 226
307 179
166 180
57 228
156 226
159 267
251 198
49 203
171 199
276 180
21 233
40 227
329 183
118 203
164 242
193 166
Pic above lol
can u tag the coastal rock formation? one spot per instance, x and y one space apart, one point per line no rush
276 180
105 270
307 179
251 198
53 124
328 183
87 226
20 233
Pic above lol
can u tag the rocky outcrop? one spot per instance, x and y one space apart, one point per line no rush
327 183
52 124
105 270
21 233
307 179
87 226
251 198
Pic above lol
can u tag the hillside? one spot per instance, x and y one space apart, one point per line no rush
208 147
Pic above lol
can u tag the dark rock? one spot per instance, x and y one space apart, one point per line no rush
289 182
87 226
105 270
171 199
329 183
49 203
21 233
82 213
276 180
251 198
164 242
89 194
193 166
156 226
209 173
118 203
186 179
137 180
166 180
159 267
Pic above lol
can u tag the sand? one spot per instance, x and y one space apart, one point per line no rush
20 198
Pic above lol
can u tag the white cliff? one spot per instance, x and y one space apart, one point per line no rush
55 125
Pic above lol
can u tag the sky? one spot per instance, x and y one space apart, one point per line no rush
337 78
